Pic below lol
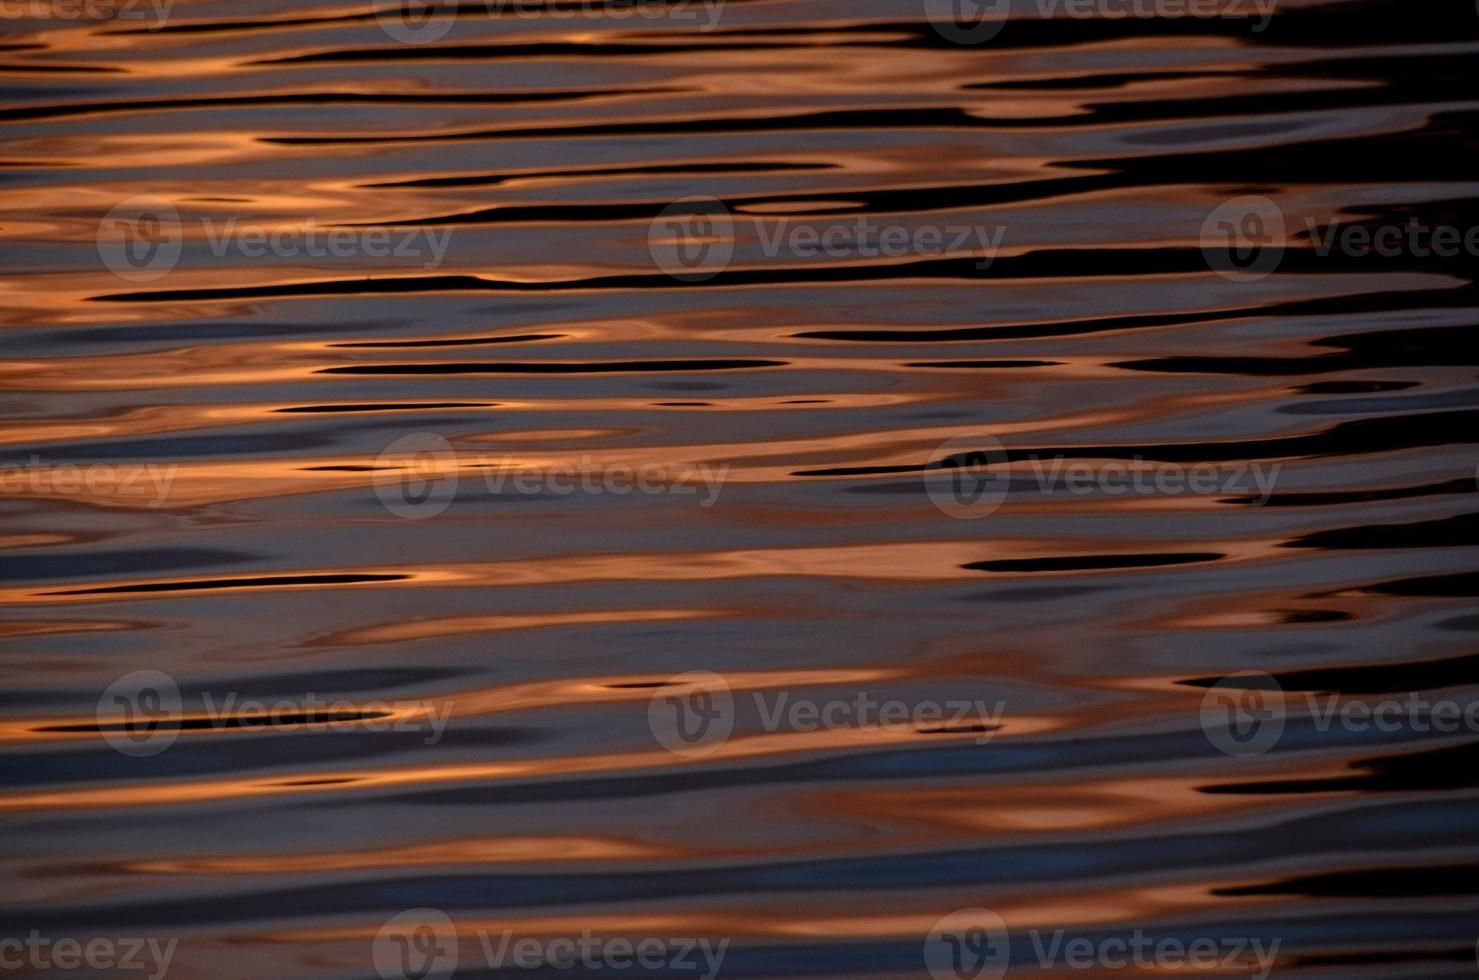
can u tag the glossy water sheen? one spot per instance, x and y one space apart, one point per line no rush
826 385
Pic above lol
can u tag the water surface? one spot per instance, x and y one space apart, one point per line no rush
394 487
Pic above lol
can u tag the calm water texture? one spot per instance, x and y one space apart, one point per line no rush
375 408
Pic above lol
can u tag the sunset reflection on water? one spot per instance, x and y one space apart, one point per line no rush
761 472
